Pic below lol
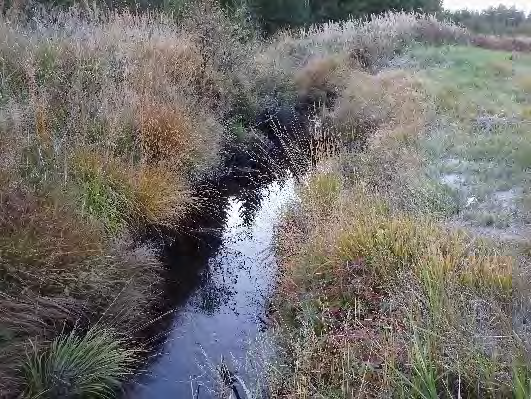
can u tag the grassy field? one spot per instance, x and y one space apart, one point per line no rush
482 147
405 267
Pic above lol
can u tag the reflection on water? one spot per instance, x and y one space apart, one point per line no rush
220 276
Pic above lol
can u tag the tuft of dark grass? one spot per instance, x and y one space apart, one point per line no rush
91 365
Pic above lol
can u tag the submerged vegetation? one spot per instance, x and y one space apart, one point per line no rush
403 267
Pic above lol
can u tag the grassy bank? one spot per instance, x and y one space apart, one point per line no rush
106 122
404 266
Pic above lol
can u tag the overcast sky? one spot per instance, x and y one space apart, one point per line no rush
482 4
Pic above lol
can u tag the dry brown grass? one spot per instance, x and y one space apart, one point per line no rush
113 104
106 119
523 82
101 81
323 77
171 136
370 43
378 298
147 194
517 44
503 69
161 195
391 103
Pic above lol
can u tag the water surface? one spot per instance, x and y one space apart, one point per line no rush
221 274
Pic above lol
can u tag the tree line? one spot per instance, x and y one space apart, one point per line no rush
269 16
494 20
273 15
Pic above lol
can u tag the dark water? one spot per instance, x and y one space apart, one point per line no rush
220 276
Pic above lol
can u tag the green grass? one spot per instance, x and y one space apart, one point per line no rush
92 366
423 380
521 381
485 123
102 199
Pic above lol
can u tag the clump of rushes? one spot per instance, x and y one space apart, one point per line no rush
172 136
90 365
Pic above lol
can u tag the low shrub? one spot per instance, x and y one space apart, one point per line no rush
517 44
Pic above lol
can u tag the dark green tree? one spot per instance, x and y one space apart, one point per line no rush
495 20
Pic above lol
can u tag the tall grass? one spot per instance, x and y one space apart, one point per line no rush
368 43
377 296
106 121
58 269
521 381
356 250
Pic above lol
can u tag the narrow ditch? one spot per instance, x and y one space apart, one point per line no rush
220 277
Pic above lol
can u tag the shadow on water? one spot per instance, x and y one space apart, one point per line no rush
220 273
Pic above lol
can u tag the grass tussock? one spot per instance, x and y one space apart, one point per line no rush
171 136
106 91
123 196
377 106
92 365
58 270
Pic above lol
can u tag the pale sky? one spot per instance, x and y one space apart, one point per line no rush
482 4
